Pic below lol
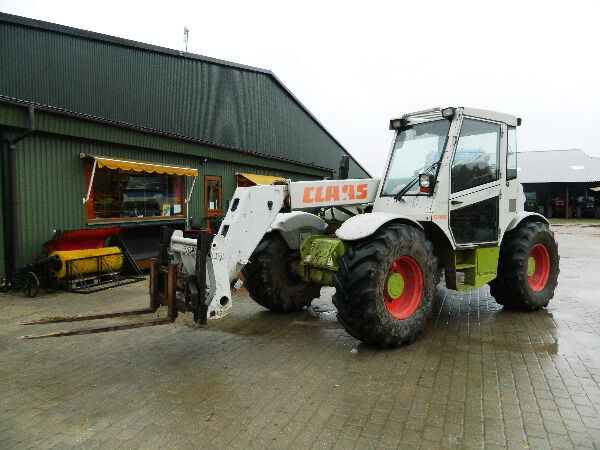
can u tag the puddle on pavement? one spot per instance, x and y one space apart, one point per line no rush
516 347
268 323
317 316
573 340
260 324
568 331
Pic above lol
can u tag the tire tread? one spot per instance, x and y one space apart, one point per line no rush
357 295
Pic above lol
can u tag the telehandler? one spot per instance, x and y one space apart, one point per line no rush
449 202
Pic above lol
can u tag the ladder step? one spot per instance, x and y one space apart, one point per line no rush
465 266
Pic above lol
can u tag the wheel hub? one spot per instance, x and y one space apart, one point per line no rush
395 285
403 288
538 267
530 266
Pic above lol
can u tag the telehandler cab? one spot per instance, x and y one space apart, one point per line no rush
449 202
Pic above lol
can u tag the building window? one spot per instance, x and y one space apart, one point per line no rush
212 196
128 194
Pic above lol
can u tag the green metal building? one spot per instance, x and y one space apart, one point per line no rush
68 96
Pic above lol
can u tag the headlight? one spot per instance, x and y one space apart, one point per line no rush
426 181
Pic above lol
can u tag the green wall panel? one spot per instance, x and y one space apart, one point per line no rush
51 183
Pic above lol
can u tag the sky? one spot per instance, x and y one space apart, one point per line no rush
355 65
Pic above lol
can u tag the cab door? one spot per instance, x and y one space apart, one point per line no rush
475 184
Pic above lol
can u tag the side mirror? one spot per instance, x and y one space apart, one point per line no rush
426 183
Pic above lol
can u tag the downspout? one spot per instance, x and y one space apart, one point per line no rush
10 216
7 220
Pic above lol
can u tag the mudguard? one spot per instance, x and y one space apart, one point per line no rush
364 225
296 226
525 216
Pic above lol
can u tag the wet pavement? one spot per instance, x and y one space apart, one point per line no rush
478 377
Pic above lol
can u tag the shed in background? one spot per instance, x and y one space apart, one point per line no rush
560 183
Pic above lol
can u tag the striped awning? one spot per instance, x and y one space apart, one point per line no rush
142 166
249 179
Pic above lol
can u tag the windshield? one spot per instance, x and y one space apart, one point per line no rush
417 147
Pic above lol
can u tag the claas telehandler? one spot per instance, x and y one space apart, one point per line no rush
449 204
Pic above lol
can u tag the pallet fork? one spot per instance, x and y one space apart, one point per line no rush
164 279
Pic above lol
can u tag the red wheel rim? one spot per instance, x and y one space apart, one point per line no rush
538 267
403 288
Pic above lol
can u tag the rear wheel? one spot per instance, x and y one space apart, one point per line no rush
528 268
386 286
269 278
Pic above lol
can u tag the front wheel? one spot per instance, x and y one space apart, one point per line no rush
528 268
270 280
385 286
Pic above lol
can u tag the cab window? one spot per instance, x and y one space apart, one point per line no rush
511 154
476 158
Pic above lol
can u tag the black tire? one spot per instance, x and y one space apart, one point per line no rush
271 282
513 286
360 283
31 285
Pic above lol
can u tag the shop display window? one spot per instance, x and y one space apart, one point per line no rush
129 195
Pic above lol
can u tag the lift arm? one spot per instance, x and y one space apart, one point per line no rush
251 213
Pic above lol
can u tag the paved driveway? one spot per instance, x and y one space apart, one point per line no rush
478 377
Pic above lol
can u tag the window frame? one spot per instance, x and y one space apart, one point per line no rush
213 212
508 128
453 226
89 209
498 159
393 151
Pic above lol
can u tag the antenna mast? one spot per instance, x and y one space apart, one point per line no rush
186 37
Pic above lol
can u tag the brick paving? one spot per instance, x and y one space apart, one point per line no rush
478 377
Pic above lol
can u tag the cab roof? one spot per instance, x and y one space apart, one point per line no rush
436 113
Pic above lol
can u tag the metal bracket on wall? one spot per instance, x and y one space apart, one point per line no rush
89 191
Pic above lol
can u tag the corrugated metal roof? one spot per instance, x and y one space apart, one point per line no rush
558 166
227 102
